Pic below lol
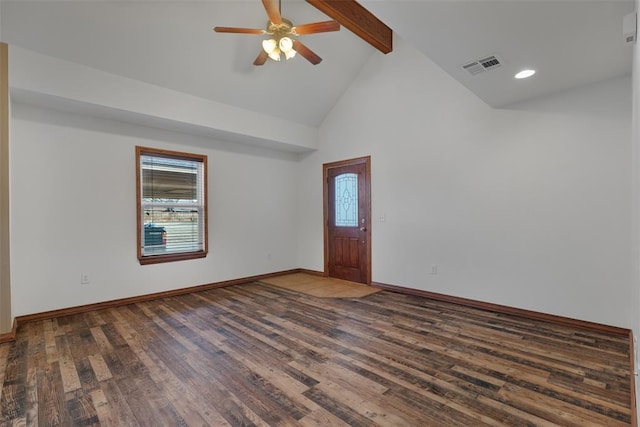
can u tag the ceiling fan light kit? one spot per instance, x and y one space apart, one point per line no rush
281 30
274 48
281 43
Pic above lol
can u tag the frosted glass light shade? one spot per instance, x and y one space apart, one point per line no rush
285 44
275 54
269 45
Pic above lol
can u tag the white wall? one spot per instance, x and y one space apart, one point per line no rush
526 207
73 211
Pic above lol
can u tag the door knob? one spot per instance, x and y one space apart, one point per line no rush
363 228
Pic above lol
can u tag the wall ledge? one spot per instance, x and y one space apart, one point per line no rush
58 84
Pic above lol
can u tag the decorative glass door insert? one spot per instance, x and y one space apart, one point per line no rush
346 200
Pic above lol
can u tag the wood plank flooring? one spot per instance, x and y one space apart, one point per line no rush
257 355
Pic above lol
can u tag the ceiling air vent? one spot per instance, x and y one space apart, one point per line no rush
482 65
473 68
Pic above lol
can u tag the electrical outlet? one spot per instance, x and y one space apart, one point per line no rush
434 269
84 279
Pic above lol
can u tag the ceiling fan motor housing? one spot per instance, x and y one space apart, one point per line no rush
280 30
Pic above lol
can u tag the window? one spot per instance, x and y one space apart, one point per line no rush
346 203
171 206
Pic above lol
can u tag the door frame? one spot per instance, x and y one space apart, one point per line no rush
366 160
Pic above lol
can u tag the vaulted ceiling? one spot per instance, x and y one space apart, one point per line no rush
568 42
171 44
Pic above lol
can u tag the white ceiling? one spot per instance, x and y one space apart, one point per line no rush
171 44
569 42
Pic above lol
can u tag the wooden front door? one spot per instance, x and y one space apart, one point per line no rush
347 219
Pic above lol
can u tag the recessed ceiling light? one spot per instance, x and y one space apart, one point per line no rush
524 74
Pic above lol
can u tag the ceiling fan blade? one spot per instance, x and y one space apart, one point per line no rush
308 54
238 30
261 58
316 27
273 11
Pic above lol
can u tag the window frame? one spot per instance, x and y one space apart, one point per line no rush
170 257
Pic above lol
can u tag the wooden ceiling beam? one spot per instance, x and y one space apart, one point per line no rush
359 21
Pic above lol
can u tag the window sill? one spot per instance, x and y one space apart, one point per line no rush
157 259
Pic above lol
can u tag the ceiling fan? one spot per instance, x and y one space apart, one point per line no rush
281 30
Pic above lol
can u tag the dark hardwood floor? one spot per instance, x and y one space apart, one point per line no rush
260 355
